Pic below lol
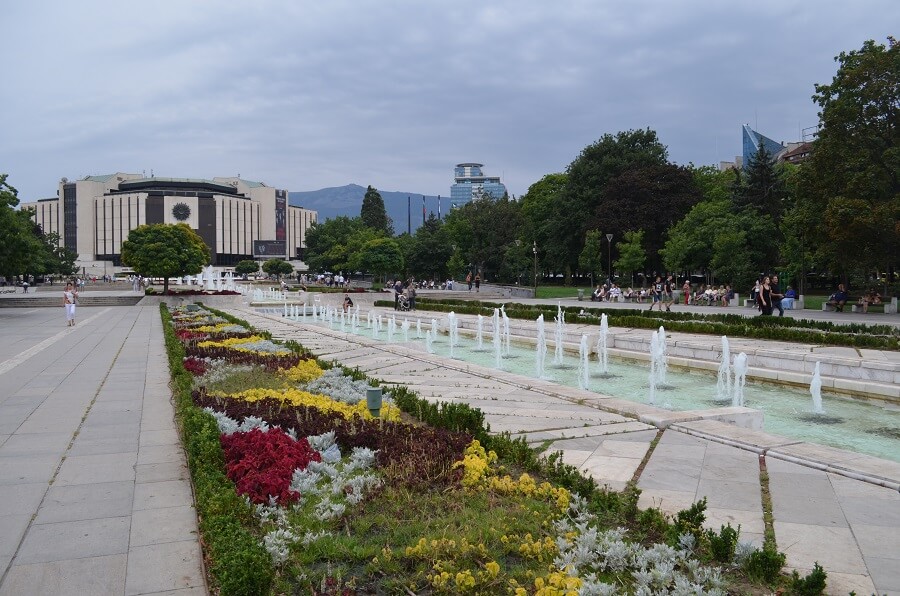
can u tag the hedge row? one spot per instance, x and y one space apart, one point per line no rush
236 560
885 337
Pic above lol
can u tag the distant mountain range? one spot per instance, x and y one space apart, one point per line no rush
347 200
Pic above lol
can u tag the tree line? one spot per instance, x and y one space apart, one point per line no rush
623 205
837 212
25 250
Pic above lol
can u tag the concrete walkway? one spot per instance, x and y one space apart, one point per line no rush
849 526
95 497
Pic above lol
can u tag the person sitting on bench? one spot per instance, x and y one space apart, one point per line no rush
789 296
838 299
871 297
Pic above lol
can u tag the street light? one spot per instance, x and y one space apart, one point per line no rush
534 249
609 257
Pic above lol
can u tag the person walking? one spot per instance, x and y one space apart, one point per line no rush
669 292
469 280
656 291
477 281
686 290
765 296
70 300
777 296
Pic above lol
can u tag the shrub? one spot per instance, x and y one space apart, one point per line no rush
723 544
811 585
765 564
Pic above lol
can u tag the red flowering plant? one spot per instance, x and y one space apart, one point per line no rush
261 463
195 366
271 362
186 335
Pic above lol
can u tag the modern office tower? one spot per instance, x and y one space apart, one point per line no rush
471 184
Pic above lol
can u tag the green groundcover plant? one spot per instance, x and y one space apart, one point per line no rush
301 489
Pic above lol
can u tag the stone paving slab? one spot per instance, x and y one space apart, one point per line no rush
88 447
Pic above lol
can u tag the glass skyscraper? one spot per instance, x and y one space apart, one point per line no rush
471 183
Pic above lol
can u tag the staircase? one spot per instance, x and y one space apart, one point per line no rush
38 301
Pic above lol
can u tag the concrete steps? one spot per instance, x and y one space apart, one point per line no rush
56 301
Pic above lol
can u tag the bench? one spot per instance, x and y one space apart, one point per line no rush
872 307
8 290
886 307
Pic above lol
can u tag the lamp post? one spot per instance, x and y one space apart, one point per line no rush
609 238
534 249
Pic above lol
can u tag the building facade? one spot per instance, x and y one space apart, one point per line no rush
792 152
470 183
237 219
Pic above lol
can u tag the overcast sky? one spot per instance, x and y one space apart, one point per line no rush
304 95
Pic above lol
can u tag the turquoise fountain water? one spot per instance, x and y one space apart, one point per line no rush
862 426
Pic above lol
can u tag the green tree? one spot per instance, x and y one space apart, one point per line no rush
850 186
328 243
764 190
585 198
651 198
407 246
165 250
632 254
689 246
381 256
60 260
246 267
431 250
21 249
482 231
538 212
590 260
277 267
373 213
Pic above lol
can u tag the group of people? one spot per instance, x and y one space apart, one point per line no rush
405 294
474 280
768 296
708 296
609 293
870 297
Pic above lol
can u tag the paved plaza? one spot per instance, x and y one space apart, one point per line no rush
95 496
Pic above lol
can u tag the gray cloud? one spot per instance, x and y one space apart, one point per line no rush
305 95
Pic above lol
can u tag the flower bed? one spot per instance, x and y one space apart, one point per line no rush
343 502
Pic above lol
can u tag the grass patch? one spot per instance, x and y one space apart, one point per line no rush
553 292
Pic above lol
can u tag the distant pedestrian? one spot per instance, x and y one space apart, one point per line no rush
477 282
469 280
656 293
70 300
777 296
669 292
765 296
686 291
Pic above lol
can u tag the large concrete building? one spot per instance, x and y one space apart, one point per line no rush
238 219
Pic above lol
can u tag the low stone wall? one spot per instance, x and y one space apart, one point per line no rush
214 301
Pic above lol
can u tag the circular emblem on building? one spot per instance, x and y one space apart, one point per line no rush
181 212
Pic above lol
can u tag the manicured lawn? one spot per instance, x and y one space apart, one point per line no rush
562 292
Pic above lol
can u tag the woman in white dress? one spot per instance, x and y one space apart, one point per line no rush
70 299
